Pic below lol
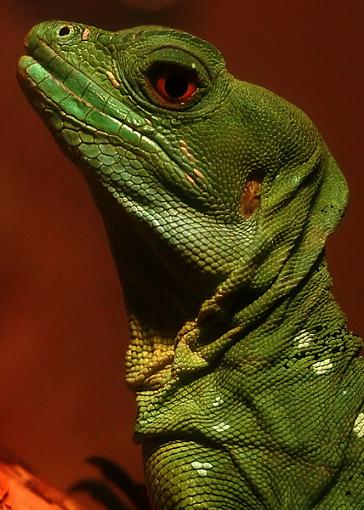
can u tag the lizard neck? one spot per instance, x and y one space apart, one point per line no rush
184 321
259 328
174 337
163 293
264 326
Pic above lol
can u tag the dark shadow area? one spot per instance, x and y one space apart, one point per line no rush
111 490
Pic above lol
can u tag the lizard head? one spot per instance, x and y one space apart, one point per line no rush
199 176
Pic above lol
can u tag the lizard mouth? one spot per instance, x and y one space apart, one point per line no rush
61 91
48 90
62 94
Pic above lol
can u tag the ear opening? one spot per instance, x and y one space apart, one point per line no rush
250 198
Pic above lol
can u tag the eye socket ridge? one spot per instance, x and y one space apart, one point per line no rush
173 84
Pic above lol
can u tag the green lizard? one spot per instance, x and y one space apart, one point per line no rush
217 197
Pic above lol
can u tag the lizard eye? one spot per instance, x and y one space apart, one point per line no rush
174 85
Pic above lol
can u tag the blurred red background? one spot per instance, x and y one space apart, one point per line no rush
62 324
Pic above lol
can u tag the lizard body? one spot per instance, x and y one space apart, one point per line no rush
217 197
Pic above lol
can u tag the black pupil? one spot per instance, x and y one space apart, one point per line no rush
64 31
176 85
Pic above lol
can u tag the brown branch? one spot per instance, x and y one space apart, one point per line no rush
20 489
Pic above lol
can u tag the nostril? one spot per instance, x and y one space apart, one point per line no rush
64 31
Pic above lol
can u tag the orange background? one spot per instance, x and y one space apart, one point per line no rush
62 327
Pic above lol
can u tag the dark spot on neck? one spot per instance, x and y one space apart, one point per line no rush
250 199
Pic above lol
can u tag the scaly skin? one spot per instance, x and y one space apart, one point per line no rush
217 202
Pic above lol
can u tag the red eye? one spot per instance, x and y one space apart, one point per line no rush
174 85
